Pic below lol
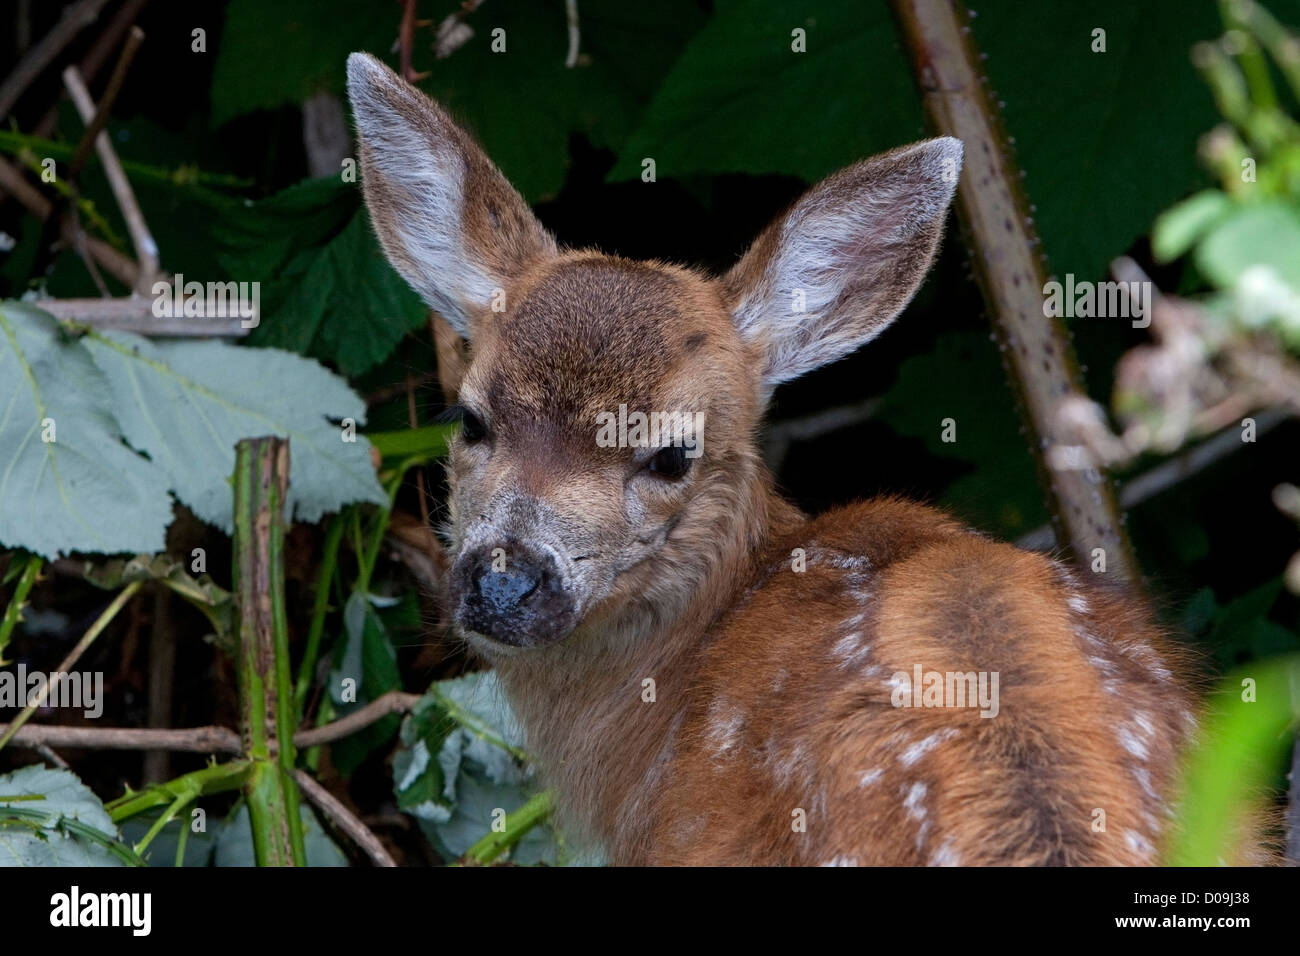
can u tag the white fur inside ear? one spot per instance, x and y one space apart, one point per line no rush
424 174
846 260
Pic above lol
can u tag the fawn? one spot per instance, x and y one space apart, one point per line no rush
706 675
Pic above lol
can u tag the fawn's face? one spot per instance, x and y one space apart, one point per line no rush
610 406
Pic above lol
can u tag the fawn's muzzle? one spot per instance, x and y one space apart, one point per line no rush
513 595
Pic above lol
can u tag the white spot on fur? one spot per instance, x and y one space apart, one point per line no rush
1138 843
725 725
946 855
841 861
912 803
1132 744
869 777
1077 603
1143 777
919 749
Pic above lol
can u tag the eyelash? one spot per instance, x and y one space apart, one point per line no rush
472 427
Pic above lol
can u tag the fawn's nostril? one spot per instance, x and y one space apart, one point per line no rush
512 594
505 590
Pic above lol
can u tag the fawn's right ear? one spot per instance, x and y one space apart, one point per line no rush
448 220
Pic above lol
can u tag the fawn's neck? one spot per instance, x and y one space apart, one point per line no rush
600 709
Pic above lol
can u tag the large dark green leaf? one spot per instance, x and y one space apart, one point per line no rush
273 54
961 378
327 290
523 103
741 100
1107 139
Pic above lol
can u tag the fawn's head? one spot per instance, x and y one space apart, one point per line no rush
608 460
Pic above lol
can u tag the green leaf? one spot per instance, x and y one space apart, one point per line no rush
327 290
460 763
1265 234
627 48
84 490
271 55
1098 169
186 404
366 656
1242 629
69 807
961 378
1243 743
741 100
1178 229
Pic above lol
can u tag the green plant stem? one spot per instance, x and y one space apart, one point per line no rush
87 639
427 440
266 692
40 820
379 525
494 844
165 818
180 846
218 778
15 144
84 206
329 561
14 609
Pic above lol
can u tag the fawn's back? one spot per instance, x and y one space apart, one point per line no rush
705 674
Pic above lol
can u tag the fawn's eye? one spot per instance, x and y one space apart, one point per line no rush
670 463
472 428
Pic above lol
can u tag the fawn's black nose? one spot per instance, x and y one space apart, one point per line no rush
502 591
512 594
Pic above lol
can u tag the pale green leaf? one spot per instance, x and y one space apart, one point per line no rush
186 404
64 798
84 490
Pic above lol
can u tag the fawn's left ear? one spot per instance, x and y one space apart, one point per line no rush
837 268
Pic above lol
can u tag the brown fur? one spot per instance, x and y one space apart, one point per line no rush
771 735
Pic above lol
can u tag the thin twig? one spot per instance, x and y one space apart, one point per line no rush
74 655
211 739
199 740
393 702
146 250
1169 473
98 117
406 42
49 755
12 182
96 57
75 18
344 818
136 315
575 34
